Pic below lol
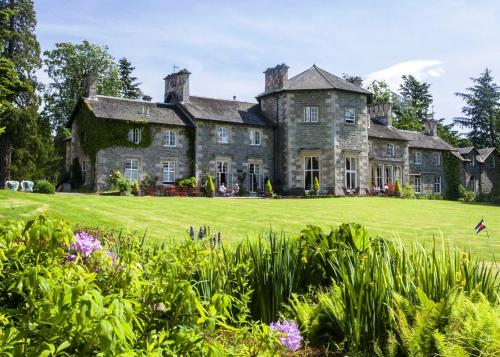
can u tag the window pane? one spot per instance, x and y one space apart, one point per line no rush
308 184
315 162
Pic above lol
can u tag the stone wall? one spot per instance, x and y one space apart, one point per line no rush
427 170
490 176
151 159
75 151
378 155
238 152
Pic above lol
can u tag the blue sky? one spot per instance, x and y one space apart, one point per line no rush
228 44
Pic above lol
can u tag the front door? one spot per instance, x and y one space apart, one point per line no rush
254 178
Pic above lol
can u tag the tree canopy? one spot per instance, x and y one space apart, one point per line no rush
129 86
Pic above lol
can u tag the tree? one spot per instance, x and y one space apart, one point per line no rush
67 66
482 111
129 87
411 113
381 92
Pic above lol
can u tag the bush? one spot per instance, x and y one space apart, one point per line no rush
316 185
120 183
189 181
268 191
397 189
44 186
135 187
210 189
407 192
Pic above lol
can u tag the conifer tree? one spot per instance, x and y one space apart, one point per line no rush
482 111
129 86
411 112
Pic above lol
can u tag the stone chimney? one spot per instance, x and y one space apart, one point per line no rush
382 112
431 126
147 98
357 81
177 84
276 77
90 86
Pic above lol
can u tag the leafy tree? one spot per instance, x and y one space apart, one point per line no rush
129 85
482 111
67 66
411 113
381 92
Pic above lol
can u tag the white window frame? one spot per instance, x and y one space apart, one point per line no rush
379 180
438 182
370 148
417 186
473 160
168 172
492 162
314 172
390 150
222 137
134 135
350 116
255 137
222 167
351 173
436 159
84 171
311 114
417 157
131 172
169 138
255 177
389 174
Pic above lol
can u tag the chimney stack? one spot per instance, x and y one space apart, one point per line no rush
382 112
431 126
357 81
234 97
90 86
177 86
276 77
147 98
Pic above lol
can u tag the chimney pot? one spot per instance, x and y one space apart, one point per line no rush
147 98
234 97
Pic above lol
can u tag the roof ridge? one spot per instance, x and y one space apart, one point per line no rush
224 100
124 99
319 70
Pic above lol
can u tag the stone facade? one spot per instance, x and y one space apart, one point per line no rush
383 165
429 171
480 171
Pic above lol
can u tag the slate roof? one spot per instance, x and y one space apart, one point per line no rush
485 153
423 141
230 111
317 78
457 154
132 110
465 150
377 130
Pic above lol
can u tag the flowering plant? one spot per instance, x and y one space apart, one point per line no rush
86 244
291 338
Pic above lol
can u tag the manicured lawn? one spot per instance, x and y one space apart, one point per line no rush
411 220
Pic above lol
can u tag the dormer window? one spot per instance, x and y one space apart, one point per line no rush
311 114
350 116
222 137
390 150
134 135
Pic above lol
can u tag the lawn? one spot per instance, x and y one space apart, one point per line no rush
163 218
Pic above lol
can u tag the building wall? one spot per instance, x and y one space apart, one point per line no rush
238 152
378 155
427 170
74 150
490 174
151 159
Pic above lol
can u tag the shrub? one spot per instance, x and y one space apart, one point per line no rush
407 192
44 186
135 187
268 191
120 183
397 189
316 185
210 189
189 181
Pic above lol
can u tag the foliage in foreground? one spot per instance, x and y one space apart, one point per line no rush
110 294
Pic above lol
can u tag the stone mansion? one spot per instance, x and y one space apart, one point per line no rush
312 125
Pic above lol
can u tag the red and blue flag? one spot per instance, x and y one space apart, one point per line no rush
480 226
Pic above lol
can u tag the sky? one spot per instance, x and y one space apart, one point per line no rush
226 45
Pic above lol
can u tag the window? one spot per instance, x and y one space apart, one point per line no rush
311 114
169 138
417 158
222 136
145 110
390 150
350 116
169 172
417 184
437 184
134 135
311 171
351 172
436 159
255 136
380 176
473 184
389 174
256 179
132 170
492 161
84 171
473 160
397 175
222 172
370 148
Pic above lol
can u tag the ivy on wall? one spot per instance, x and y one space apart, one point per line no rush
95 135
451 175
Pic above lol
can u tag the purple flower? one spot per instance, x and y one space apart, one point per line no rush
71 258
112 256
159 307
85 244
291 338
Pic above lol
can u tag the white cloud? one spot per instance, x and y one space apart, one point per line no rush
421 69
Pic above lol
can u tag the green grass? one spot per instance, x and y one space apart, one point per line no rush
164 218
